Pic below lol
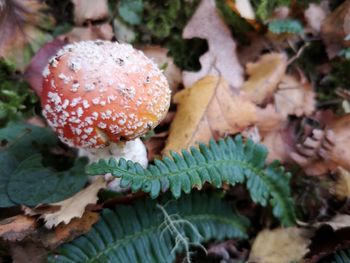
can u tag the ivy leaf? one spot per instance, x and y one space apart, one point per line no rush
131 11
32 183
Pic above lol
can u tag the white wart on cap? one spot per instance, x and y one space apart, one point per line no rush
97 92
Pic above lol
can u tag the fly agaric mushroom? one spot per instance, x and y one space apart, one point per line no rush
101 96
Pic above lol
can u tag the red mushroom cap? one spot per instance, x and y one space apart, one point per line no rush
96 92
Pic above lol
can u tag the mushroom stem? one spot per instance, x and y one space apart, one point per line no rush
133 150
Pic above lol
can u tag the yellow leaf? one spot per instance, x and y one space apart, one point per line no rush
264 76
208 109
281 245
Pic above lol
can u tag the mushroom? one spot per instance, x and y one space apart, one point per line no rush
101 96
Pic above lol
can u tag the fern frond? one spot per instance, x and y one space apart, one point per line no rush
226 161
342 256
135 233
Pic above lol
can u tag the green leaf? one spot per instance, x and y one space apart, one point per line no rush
145 232
8 162
226 161
281 26
20 142
131 11
32 184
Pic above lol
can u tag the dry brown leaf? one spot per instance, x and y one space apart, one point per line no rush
65 233
281 245
18 29
264 76
221 58
294 97
70 208
17 228
278 148
33 73
91 32
340 153
210 108
89 10
341 187
28 252
269 119
314 15
159 55
337 222
335 28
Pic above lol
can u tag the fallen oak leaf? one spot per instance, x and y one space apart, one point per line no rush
210 108
281 245
264 76
17 228
294 97
221 58
70 208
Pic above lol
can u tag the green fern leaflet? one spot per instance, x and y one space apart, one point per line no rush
342 256
281 26
226 161
145 233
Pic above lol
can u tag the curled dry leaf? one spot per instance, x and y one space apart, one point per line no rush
70 208
336 223
159 55
325 150
17 228
335 28
312 149
294 97
89 10
264 76
341 186
281 245
208 109
221 58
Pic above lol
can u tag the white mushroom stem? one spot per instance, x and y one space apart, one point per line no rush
133 150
